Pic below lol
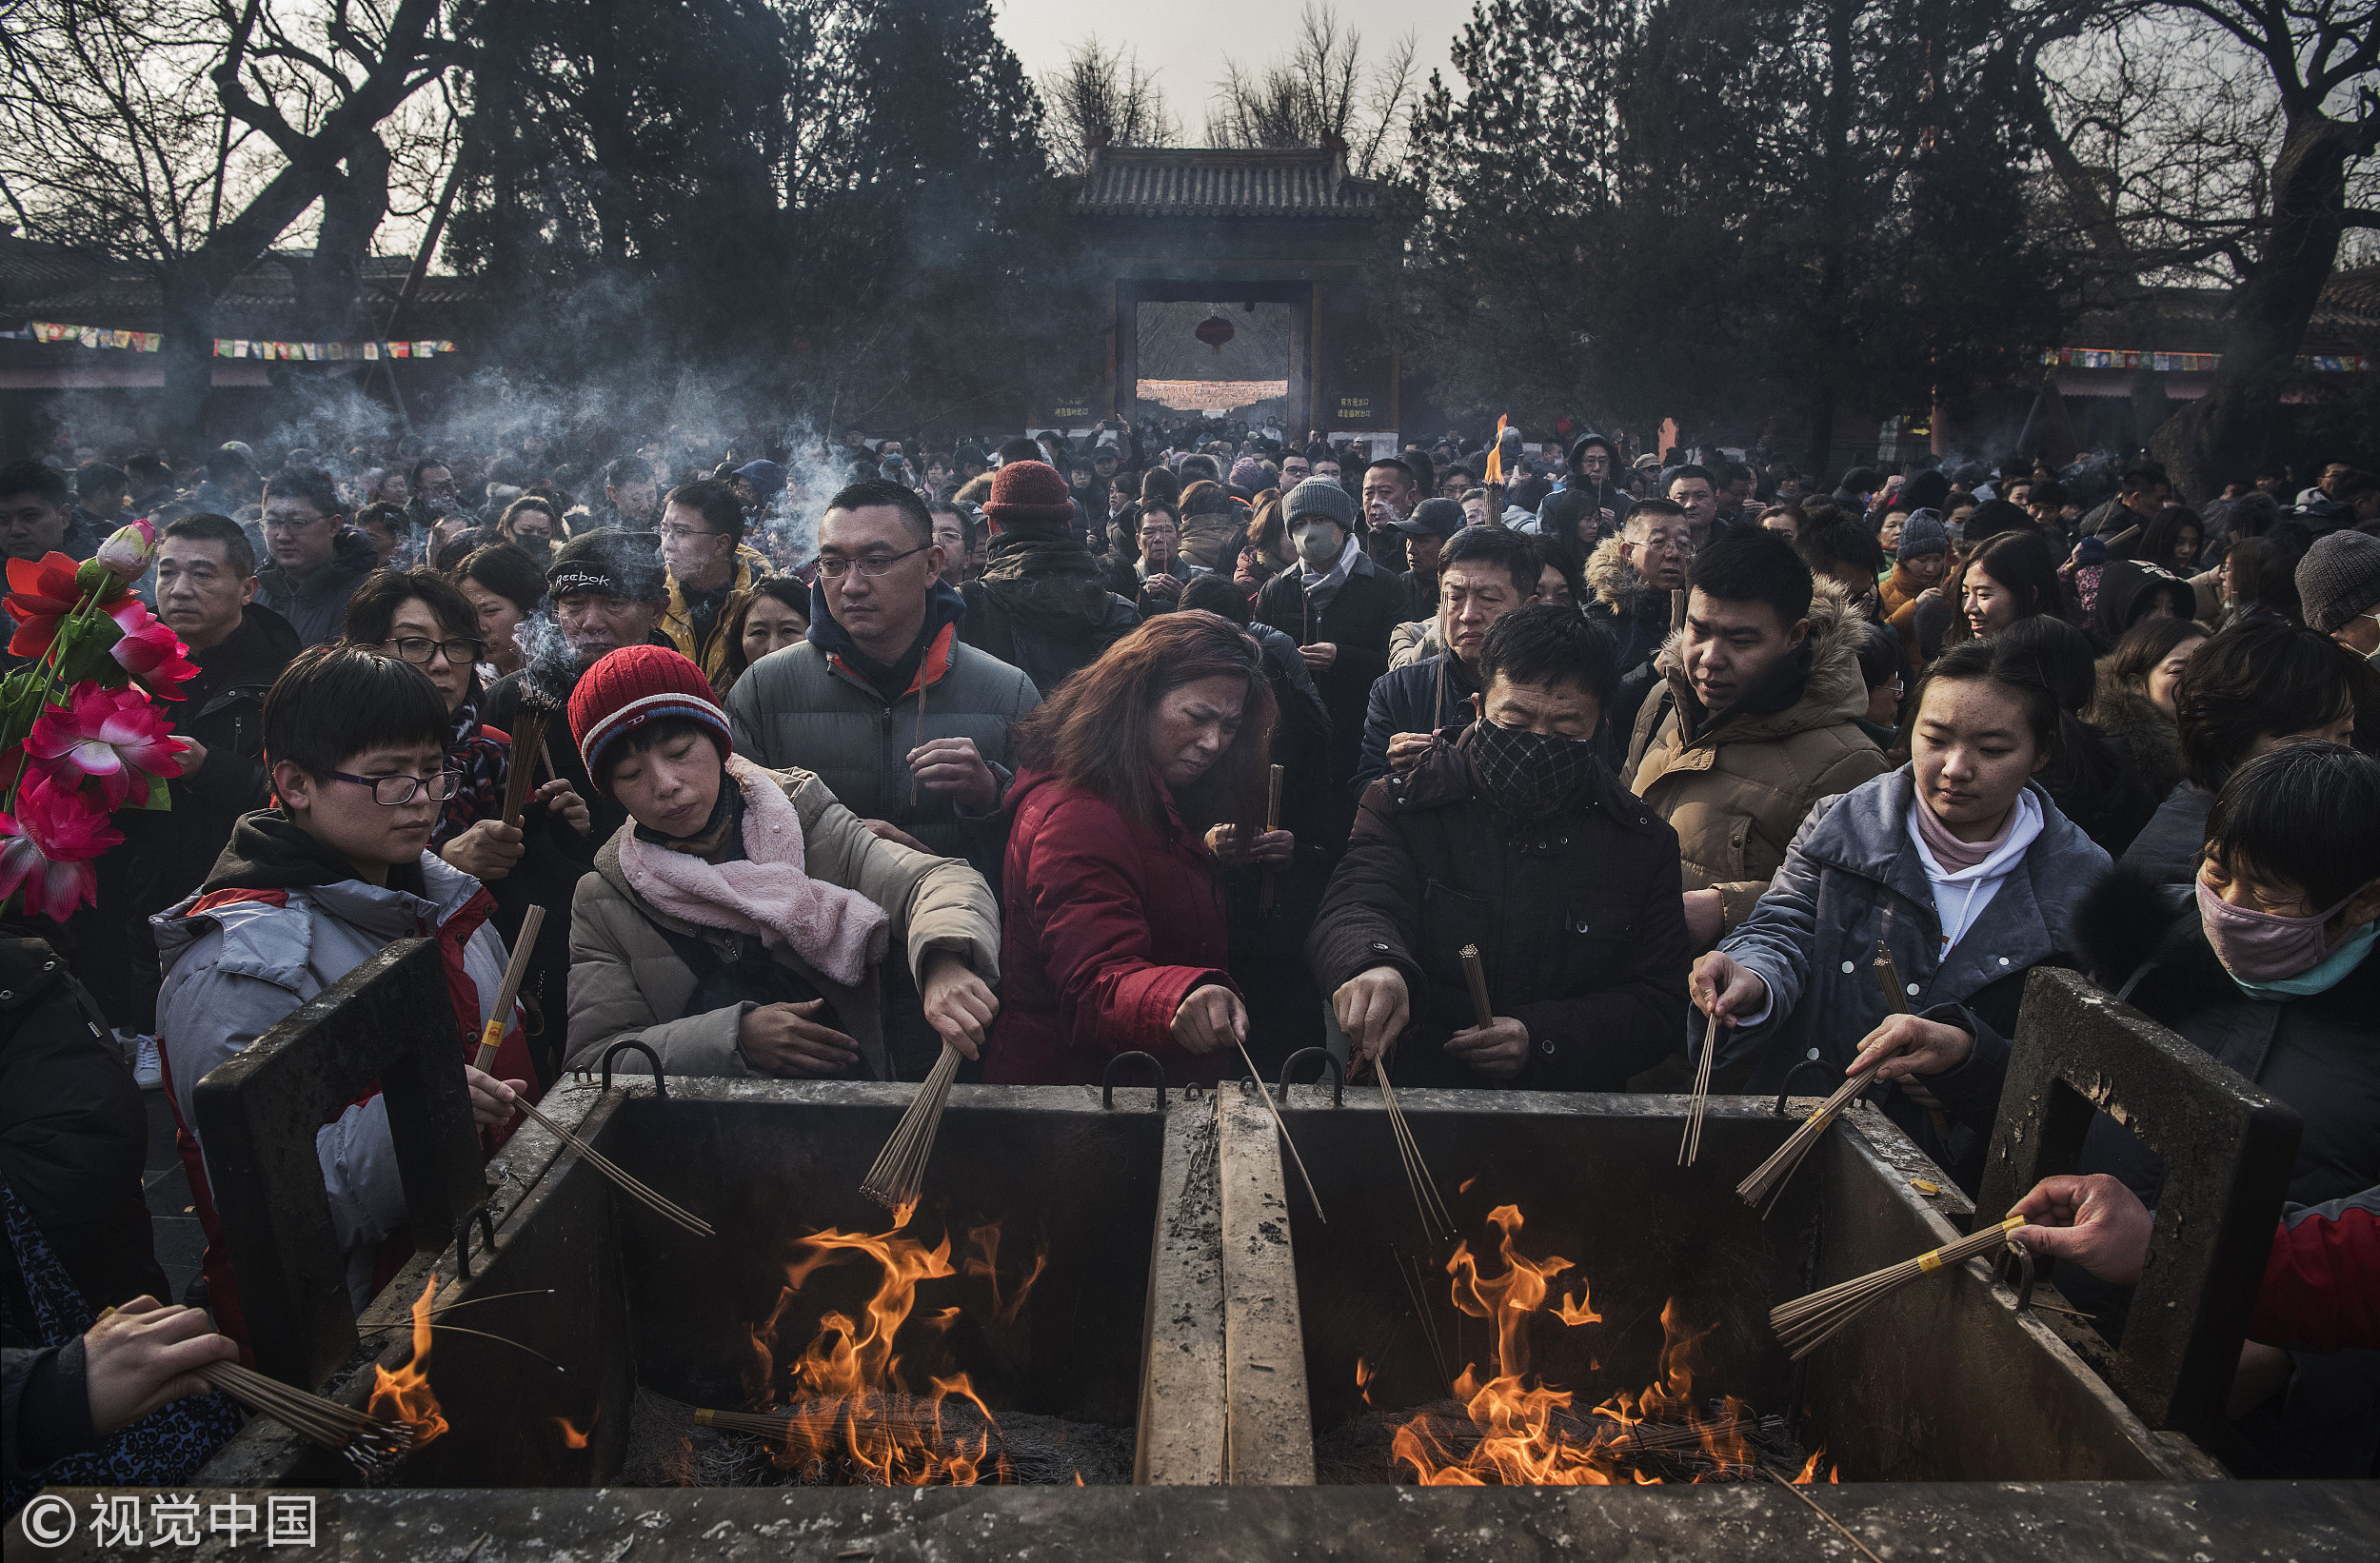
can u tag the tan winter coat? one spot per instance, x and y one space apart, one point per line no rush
627 984
1740 791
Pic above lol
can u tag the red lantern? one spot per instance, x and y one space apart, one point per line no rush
1215 330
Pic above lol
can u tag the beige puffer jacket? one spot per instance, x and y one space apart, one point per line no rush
1740 791
627 983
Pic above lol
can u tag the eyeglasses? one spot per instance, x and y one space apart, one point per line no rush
392 791
420 651
1657 544
679 534
835 568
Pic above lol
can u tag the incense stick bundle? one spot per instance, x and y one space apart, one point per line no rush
1437 1225
1768 1180
1803 1323
1272 822
1676 609
1476 975
605 1167
1273 1107
515 969
900 1168
372 1445
529 738
1691 1145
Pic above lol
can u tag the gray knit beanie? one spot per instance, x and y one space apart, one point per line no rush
1319 497
1922 534
2339 579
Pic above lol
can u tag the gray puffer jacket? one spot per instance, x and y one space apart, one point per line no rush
1852 878
802 707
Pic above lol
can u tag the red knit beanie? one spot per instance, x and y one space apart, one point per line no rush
1027 492
631 686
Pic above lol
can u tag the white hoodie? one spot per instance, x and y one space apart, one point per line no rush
1961 898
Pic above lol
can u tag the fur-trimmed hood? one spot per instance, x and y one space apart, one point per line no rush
2135 717
1834 690
1613 582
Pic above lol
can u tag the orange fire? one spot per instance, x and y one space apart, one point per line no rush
860 1405
571 1438
1528 1432
406 1396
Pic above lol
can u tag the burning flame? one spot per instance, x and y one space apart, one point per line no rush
1528 1434
859 1407
404 1395
1365 1372
571 1438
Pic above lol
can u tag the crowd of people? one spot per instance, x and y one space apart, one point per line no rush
1191 740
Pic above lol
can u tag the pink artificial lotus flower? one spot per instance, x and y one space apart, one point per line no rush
149 650
128 549
47 848
112 736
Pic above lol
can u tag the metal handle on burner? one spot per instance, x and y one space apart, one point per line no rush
1108 1078
1785 1088
652 1060
2023 1266
1339 1075
463 1239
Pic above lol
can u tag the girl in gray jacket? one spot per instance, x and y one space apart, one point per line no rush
1961 866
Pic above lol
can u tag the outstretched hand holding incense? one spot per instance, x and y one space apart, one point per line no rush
142 1354
1496 1050
1910 1047
492 1099
1725 989
1373 1008
2095 1223
1210 1019
958 1004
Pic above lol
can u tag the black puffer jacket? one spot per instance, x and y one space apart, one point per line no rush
1043 605
1363 614
317 608
1579 920
74 1135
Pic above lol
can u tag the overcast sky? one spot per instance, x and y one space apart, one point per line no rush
1186 44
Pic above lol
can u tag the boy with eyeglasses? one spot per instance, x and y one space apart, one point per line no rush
302 894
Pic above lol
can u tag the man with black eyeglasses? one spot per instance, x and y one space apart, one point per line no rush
905 724
701 544
317 560
303 893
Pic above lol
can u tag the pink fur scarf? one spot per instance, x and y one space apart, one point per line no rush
839 932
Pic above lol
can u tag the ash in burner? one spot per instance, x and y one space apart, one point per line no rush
669 1448
1575 1449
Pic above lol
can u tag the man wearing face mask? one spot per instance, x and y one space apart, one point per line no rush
1513 839
2269 967
1340 607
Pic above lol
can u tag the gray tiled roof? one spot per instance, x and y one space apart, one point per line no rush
1200 181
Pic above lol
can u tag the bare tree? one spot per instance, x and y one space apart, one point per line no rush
187 136
1322 93
1102 97
2207 143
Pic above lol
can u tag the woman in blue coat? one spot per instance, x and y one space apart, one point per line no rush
1962 867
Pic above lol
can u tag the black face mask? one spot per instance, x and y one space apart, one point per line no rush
1531 776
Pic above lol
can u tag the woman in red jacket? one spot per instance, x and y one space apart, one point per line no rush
1112 931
